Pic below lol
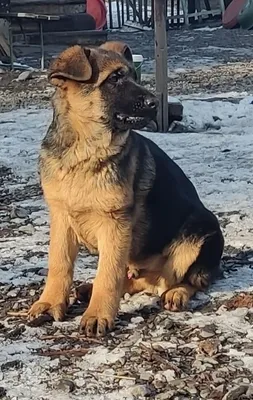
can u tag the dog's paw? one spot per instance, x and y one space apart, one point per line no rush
57 311
175 299
96 323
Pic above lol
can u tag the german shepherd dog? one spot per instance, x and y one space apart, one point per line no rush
117 193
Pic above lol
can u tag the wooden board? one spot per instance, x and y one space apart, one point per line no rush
161 56
4 45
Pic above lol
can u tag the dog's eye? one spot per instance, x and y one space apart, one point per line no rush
115 77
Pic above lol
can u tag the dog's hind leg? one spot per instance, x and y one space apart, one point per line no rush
199 275
207 266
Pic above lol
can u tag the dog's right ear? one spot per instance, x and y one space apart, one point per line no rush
119 47
72 64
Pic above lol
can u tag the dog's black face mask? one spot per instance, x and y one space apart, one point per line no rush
129 105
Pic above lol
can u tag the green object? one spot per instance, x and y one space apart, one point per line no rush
245 17
138 61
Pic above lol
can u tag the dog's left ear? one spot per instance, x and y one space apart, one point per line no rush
119 47
72 64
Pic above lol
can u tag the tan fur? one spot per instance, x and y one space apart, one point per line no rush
118 47
182 254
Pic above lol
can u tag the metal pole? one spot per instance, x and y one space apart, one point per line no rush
161 55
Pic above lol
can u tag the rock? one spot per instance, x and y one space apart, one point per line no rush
136 320
19 212
28 229
139 391
126 382
159 380
192 390
2 392
249 392
208 332
40 221
146 376
204 394
234 393
79 382
166 395
65 385
43 272
24 76
169 375
13 292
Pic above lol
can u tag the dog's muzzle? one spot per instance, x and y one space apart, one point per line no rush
143 111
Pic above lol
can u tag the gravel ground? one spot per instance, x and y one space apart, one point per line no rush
205 352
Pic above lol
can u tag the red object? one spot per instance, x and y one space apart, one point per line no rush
97 9
230 16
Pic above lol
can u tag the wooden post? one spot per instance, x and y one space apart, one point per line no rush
161 55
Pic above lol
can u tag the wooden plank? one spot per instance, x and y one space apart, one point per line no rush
161 55
110 14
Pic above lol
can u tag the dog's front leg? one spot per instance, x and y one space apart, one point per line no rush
114 240
63 250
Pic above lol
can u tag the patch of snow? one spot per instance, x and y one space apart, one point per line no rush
209 29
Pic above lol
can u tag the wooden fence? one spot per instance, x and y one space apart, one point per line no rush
140 13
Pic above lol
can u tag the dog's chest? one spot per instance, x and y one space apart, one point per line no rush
89 200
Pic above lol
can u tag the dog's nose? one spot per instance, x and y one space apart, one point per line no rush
151 102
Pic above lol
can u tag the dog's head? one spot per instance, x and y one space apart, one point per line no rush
100 83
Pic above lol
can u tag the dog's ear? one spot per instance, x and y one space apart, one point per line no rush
119 47
72 64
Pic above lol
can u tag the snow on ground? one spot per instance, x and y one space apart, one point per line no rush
216 152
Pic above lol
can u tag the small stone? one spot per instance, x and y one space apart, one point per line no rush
137 320
28 229
249 392
43 272
40 221
234 393
204 394
220 388
140 391
127 382
248 351
13 292
65 385
169 375
24 76
191 390
206 334
19 212
166 395
146 376
79 382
